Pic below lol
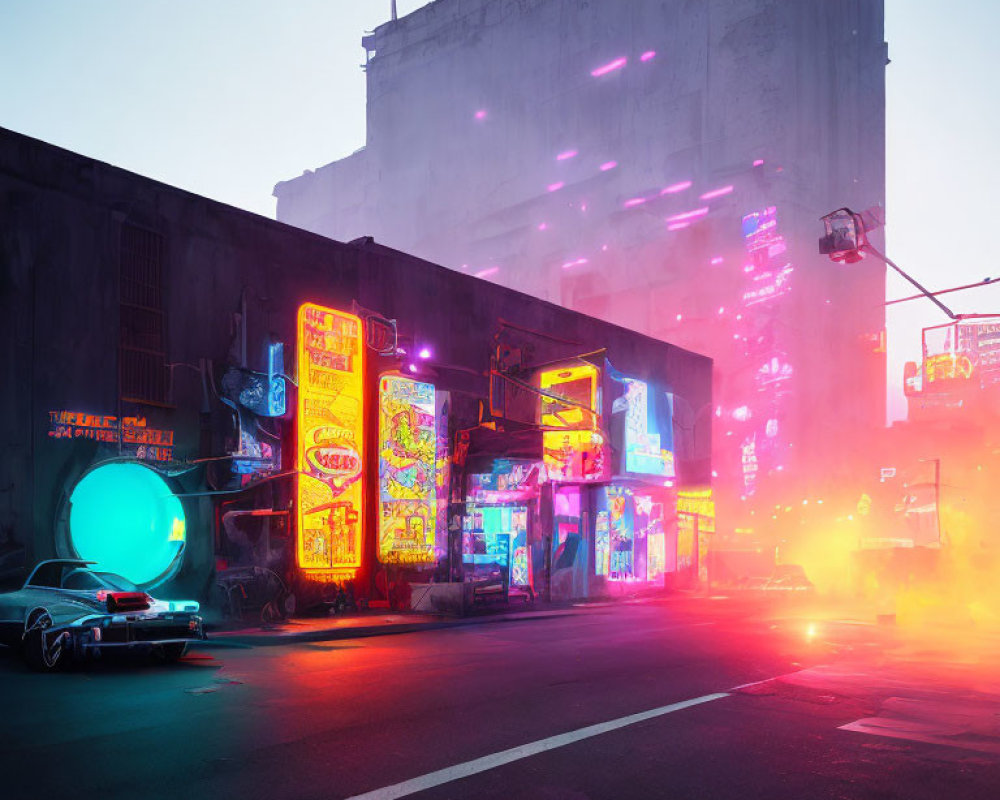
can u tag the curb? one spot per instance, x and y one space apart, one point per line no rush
368 631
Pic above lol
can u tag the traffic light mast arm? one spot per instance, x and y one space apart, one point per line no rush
870 248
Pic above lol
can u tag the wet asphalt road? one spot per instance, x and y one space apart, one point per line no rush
339 719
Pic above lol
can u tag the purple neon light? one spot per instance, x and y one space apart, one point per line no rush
759 162
543 226
634 201
565 154
608 165
689 215
481 114
425 353
647 55
576 263
720 192
484 273
676 187
678 226
555 187
611 66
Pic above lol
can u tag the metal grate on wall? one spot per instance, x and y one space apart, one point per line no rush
142 338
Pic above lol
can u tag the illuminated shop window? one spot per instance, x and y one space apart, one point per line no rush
330 439
126 518
407 443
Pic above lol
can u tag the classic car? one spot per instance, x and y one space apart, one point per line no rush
65 610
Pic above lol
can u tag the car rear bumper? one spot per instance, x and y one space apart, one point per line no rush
141 633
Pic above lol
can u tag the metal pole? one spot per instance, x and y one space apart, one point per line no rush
937 496
928 294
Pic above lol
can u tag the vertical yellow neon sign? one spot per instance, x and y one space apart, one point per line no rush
329 450
575 450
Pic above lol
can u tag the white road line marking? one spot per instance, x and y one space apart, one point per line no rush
459 771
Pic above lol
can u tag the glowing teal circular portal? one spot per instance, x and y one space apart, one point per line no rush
124 517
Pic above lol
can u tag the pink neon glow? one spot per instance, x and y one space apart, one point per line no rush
481 114
724 190
716 260
676 187
543 226
425 352
583 206
555 187
576 263
678 226
604 248
679 317
566 154
611 66
413 367
722 309
759 162
647 55
635 201
483 273
608 165
698 212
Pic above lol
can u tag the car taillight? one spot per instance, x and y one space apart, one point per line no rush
128 601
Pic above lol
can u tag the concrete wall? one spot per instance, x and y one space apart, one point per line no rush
59 276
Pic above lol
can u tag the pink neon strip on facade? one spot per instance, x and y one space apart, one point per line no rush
566 154
608 165
724 190
676 187
611 66
484 273
555 187
576 263
759 162
688 215
647 55
634 201
717 260
677 226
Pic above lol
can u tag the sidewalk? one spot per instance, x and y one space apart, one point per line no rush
373 623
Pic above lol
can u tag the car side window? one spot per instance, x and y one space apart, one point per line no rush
47 575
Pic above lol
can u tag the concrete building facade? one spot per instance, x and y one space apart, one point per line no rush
660 164
160 334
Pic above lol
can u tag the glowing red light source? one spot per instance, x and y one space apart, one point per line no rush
720 192
611 66
647 55
676 187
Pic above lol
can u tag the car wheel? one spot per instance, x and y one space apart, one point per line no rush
172 652
43 651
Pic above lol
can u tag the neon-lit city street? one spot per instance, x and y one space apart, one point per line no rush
342 718
498 399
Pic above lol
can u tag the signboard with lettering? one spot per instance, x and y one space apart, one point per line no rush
330 441
129 435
